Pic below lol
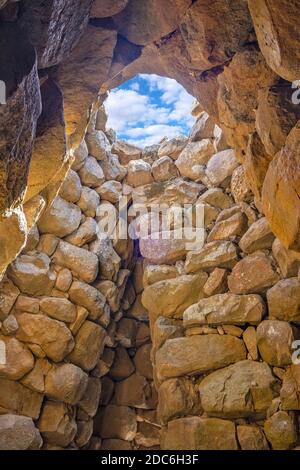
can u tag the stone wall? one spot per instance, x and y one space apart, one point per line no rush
239 59
116 344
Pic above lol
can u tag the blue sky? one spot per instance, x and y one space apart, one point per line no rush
148 108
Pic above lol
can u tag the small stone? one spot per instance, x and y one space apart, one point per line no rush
126 152
91 397
134 391
258 237
81 315
284 300
9 295
89 344
251 438
98 144
86 233
249 337
18 360
288 260
232 330
234 226
88 202
110 191
280 431
116 422
172 147
80 154
84 432
71 188
239 187
91 173
9 325
274 341
139 173
177 397
289 393
48 244
142 361
126 332
203 128
216 283
122 366
164 169
64 280
216 197
244 278
170 298
193 156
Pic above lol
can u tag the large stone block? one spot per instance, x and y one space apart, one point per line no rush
225 309
242 390
197 354
195 433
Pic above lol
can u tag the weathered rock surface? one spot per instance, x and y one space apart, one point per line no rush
196 433
171 297
274 341
242 390
52 336
225 309
32 274
82 262
222 254
244 278
60 219
18 433
205 353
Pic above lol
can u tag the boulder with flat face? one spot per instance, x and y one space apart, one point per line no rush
225 393
204 353
171 297
193 156
196 433
221 254
225 309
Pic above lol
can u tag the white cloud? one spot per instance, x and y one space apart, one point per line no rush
144 118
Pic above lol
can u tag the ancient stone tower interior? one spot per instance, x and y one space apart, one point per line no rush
111 343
